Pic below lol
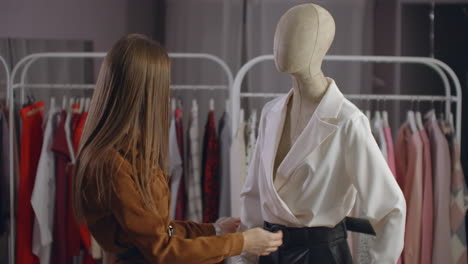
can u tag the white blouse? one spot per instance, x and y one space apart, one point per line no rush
334 162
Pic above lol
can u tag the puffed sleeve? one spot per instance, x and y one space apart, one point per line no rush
251 211
147 230
379 195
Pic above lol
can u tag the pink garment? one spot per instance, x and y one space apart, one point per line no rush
428 202
441 169
409 167
391 156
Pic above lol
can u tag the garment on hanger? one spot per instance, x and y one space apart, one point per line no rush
251 139
62 159
238 167
458 206
390 149
31 144
4 172
380 135
181 203
73 230
321 177
225 175
43 196
79 131
85 236
409 164
175 166
210 167
427 235
194 206
441 169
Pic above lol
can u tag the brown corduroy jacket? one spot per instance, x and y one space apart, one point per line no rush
125 224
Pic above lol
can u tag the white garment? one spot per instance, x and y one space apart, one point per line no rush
380 136
175 167
365 242
96 250
251 139
194 201
334 162
69 136
238 168
43 195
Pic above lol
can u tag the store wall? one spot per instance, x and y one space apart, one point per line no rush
102 21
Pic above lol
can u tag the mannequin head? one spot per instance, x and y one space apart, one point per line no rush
302 38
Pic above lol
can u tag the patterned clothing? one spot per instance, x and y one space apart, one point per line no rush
194 203
457 201
181 192
210 171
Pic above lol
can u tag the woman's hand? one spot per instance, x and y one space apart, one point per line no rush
228 225
260 242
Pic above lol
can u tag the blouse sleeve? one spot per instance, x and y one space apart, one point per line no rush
147 230
381 198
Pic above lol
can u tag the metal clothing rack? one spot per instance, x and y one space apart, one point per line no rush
7 75
438 66
23 67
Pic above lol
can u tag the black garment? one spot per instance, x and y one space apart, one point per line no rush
318 245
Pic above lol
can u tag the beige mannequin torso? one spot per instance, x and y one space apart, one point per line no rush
303 36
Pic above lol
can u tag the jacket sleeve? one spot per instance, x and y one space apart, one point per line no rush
189 229
147 230
379 195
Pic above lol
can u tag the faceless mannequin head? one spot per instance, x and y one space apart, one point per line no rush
302 38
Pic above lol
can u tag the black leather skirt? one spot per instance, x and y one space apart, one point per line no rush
318 245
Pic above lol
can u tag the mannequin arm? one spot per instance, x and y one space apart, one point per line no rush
380 196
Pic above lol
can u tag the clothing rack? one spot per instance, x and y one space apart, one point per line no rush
438 66
7 75
23 67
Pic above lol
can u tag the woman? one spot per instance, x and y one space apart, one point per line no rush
121 182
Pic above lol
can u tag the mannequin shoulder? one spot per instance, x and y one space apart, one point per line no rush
349 113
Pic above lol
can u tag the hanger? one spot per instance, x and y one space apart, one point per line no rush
179 103
418 116
451 123
410 117
385 116
87 103
64 102
173 105
212 104
378 117
368 112
194 105
70 104
254 118
241 117
82 105
52 103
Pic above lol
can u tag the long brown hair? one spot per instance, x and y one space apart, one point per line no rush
129 113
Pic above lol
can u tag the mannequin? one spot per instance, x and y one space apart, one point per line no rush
303 36
315 157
